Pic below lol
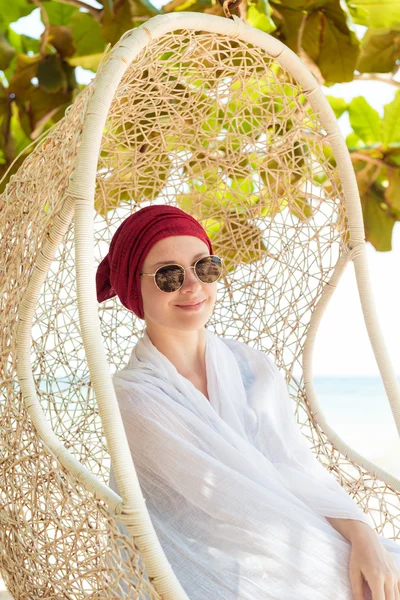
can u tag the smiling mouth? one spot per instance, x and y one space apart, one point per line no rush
188 305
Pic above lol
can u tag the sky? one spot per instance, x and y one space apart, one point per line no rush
342 346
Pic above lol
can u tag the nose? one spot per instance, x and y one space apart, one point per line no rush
190 281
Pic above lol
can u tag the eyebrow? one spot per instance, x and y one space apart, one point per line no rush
170 262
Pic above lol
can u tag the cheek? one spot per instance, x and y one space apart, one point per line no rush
148 291
212 293
154 300
214 290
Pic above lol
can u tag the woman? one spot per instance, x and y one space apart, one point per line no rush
242 507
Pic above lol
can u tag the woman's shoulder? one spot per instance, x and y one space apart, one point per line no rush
244 347
251 356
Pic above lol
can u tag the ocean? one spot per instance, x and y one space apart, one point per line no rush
358 409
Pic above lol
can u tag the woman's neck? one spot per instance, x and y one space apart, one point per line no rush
184 349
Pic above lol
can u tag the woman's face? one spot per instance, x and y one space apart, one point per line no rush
162 308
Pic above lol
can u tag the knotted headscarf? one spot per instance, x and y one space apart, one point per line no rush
118 274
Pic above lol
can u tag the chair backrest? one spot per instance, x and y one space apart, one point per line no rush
227 124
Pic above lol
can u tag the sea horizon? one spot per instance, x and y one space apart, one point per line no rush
357 408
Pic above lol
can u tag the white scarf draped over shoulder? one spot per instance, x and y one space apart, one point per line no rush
237 498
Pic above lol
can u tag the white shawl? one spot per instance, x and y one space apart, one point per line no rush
237 498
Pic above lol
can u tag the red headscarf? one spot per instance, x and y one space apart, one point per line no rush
118 274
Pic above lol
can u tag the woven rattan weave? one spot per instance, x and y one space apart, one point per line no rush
225 122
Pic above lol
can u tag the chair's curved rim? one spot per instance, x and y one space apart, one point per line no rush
78 203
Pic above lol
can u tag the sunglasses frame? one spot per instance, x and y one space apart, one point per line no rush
184 272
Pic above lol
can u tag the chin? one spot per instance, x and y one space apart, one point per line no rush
192 320
193 326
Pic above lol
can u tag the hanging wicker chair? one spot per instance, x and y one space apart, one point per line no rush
224 121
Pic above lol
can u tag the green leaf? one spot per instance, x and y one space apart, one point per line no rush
391 121
312 35
366 171
308 5
4 117
251 247
21 140
25 70
353 142
392 155
184 5
41 109
11 11
259 15
289 25
9 72
51 74
243 115
378 222
339 105
380 50
86 34
115 24
7 52
300 207
330 40
59 13
365 121
142 8
23 43
244 185
90 62
60 37
392 192
375 13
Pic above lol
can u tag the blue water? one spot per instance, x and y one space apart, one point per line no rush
354 399
358 410
351 400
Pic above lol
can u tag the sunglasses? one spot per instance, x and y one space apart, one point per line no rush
170 278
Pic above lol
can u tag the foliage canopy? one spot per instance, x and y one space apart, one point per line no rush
38 82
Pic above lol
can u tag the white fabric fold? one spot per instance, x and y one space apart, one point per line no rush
237 498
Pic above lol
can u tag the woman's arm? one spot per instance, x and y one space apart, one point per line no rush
350 528
277 435
369 561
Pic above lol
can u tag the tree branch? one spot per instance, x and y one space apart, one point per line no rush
377 77
367 158
95 12
46 23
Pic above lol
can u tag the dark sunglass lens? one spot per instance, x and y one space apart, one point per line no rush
208 269
169 278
